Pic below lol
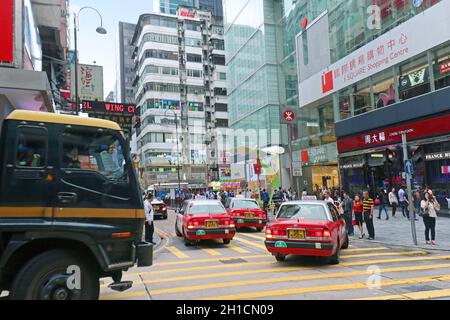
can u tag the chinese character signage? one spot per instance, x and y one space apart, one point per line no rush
90 82
399 44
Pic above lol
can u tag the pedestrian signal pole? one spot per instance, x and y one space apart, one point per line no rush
409 172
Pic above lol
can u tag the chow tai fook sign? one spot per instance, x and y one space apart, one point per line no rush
6 31
418 34
430 127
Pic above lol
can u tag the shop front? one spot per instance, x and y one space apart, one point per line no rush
374 160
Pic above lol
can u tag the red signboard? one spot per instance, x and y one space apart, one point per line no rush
414 130
6 31
289 116
327 82
444 67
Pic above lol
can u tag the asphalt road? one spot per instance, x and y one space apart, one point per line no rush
245 270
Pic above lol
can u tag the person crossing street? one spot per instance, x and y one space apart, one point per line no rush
149 219
347 205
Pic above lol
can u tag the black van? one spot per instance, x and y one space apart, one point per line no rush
71 210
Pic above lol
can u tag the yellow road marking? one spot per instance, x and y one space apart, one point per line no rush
261 237
251 264
421 295
239 249
338 287
278 280
400 253
177 252
250 243
366 249
211 251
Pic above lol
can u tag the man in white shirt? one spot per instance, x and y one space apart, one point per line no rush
327 198
403 202
149 218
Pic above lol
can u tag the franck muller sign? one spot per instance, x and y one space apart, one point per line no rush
438 156
401 43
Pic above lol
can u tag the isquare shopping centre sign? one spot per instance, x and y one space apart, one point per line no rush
399 44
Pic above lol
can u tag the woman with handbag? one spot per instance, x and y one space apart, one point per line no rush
430 207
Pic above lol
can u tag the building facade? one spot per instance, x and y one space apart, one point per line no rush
23 83
171 6
376 80
166 75
124 92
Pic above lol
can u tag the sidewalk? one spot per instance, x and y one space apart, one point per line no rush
397 231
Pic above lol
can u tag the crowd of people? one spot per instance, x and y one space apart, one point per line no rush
359 211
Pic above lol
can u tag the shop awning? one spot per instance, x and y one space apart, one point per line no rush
26 90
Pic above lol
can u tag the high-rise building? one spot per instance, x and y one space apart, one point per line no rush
170 6
124 63
180 88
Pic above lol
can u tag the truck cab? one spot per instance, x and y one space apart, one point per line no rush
71 210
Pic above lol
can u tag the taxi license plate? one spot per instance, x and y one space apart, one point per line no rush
296 234
249 215
212 224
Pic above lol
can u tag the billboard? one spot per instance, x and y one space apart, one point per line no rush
407 40
90 82
7 34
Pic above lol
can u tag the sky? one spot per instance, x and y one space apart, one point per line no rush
102 48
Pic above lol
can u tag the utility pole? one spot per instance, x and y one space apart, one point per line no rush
411 208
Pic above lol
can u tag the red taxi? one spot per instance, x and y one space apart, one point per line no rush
246 213
307 228
204 220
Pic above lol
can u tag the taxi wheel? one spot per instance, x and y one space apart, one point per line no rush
346 243
334 259
226 241
280 257
177 232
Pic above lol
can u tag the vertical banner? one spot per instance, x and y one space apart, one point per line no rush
6 31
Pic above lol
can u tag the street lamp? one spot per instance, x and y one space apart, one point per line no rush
178 154
99 30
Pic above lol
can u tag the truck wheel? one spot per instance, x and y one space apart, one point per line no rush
46 277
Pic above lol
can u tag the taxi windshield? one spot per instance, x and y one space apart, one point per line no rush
245 204
304 212
201 209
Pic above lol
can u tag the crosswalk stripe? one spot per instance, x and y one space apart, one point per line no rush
211 251
421 295
338 287
383 254
177 252
282 279
261 237
366 249
238 249
250 243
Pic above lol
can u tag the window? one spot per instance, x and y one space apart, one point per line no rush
194 58
94 151
384 89
219 60
303 212
441 67
362 99
205 209
222 76
344 104
31 150
334 212
245 204
194 73
222 123
414 78
221 107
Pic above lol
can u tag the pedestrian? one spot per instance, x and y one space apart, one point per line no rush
418 204
149 219
327 198
347 205
265 197
383 204
393 200
304 193
358 212
368 206
402 198
430 207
